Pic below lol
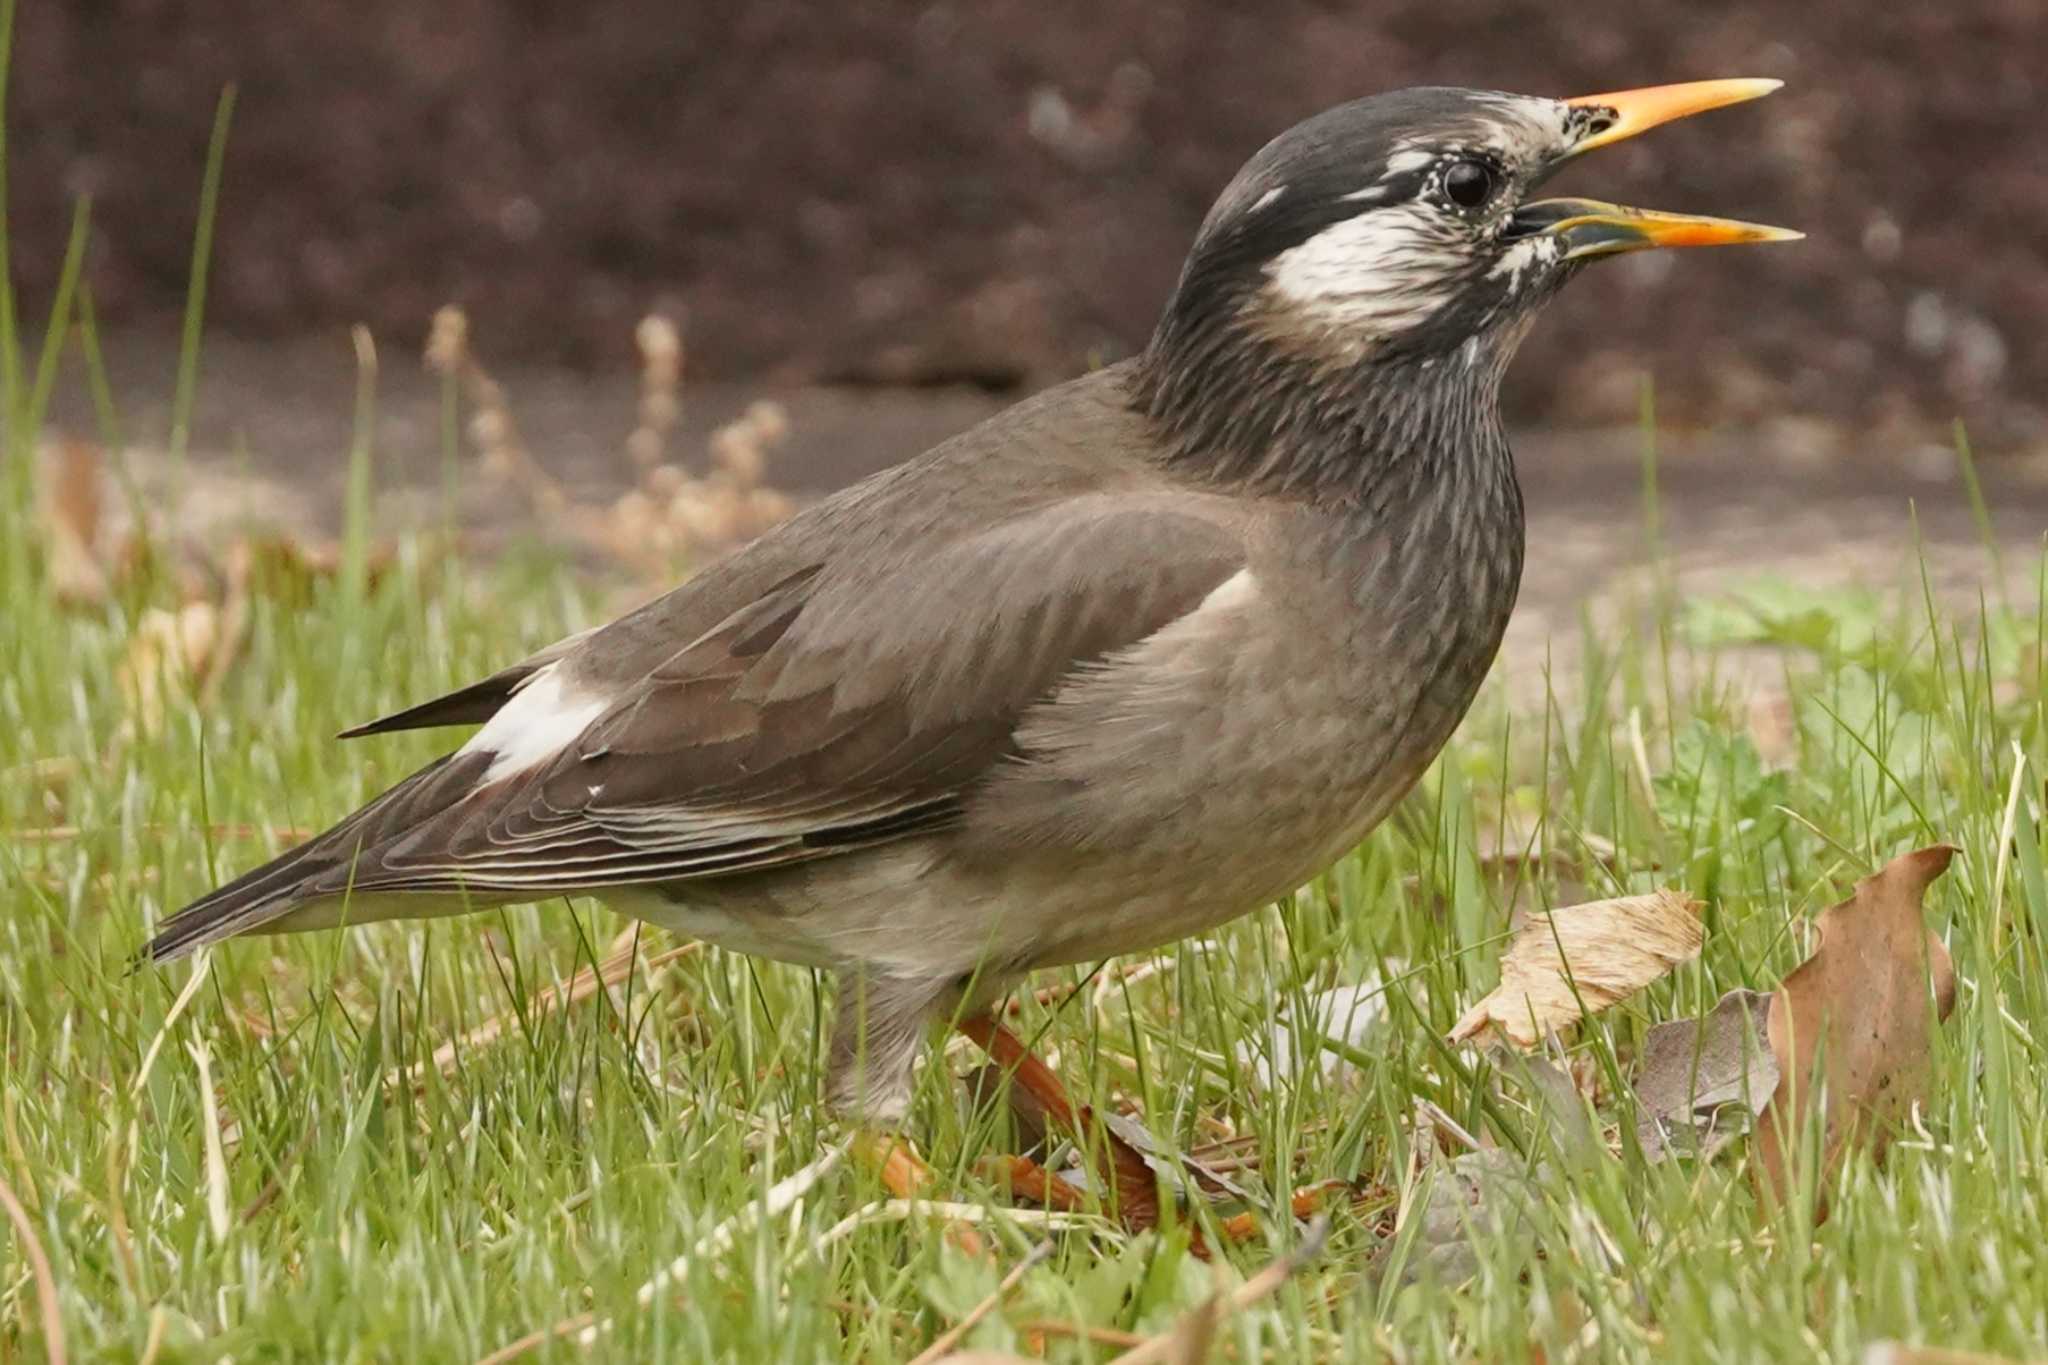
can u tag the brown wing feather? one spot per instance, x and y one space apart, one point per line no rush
828 714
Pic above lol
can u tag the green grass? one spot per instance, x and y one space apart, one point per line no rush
550 1172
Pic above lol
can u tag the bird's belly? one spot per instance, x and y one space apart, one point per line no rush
1206 782
1216 869
756 931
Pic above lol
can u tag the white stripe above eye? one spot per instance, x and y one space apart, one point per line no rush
543 718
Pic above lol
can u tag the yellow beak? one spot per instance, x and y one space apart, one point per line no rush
1589 227
1624 113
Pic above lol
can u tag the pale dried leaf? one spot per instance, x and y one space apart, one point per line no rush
169 653
1580 959
1700 1083
1855 1018
72 503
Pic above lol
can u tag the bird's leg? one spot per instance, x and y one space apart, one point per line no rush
1134 1191
894 1161
1124 1168
876 1036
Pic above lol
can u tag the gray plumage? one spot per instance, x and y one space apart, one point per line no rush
1131 659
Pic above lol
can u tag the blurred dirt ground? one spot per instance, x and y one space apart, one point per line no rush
995 193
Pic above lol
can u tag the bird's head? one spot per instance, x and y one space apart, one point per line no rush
1401 234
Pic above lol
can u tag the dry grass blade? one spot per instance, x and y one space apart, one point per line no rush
1897 1353
533 1341
946 1211
779 1199
64 834
39 1270
588 1327
661 374
491 428
1578 960
1850 1026
216 1159
951 1337
200 965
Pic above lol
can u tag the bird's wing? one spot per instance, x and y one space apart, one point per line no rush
839 709
840 682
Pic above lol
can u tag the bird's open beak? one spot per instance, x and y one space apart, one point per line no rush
1589 227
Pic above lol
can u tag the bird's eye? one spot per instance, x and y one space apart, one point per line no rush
1469 184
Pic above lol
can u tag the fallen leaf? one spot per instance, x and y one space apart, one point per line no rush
1854 1017
71 523
1580 959
1490 1195
1700 1083
170 651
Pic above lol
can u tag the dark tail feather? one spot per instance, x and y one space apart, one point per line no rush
471 706
250 900
292 879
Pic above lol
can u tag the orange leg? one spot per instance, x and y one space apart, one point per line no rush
904 1174
1134 1192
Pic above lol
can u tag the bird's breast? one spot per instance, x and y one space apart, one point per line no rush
1235 754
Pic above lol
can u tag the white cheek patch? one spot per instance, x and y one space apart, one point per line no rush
1380 271
543 718
1517 259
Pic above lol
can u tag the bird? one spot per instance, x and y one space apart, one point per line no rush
1132 658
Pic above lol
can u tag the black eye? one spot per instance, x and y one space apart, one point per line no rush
1469 183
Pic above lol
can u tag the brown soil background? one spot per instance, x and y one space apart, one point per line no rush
1000 192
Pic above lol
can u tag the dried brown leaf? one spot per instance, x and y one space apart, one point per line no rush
1700 1083
72 504
1580 959
1853 1017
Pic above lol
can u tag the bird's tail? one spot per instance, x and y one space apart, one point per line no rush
316 871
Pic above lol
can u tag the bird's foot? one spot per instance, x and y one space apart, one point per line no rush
1132 1186
1129 1161
895 1162
905 1175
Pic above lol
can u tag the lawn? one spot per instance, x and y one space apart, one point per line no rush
387 1144
419 1143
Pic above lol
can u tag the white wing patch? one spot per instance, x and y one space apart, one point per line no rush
543 718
